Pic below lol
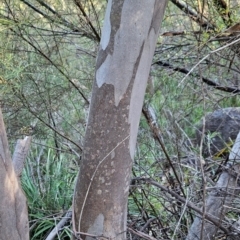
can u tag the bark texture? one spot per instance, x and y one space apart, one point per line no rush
13 208
20 154
220 199
127 45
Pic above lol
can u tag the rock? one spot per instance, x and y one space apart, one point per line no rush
221 128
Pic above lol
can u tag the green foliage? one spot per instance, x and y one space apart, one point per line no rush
48 183
46 71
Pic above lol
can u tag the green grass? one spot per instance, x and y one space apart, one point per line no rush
48 184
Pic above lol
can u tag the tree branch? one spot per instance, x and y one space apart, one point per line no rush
191 205
151 120
194 15
205 80
79 5
220 199
62 21
62 223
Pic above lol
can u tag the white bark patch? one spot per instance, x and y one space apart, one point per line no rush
139 88
97 227
118 67
106 27
112 156
101 179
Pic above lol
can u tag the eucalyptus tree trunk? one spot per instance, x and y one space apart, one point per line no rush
126 49
13 207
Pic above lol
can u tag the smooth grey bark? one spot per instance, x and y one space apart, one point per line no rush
220 199
13 207
126 49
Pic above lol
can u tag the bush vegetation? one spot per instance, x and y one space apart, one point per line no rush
47 68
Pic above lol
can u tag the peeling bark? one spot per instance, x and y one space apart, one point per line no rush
20 154
127 46
13 208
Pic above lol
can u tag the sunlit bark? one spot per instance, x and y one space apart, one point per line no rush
13 208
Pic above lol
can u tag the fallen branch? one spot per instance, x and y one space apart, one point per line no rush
219 200
141 234
189 204
67 217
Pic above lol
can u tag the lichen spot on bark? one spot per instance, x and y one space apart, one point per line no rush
97 227
102 179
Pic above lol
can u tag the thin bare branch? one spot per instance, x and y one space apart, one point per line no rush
193 14
60 225
79 5
205 80
150 117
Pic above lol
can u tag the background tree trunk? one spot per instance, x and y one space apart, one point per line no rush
13 208
128 41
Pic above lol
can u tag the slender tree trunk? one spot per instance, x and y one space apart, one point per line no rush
127 46
13 207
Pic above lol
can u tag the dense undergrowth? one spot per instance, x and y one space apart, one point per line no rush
47 70
48 182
